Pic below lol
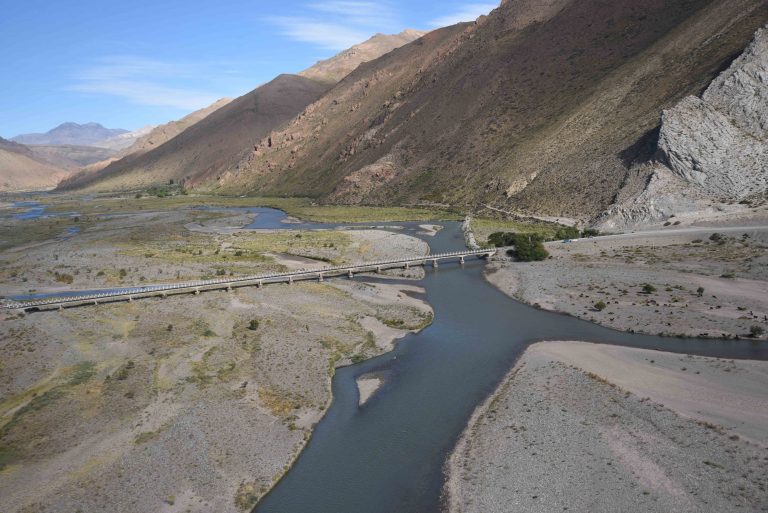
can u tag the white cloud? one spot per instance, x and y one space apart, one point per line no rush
329 36
337 24
150 82
469 12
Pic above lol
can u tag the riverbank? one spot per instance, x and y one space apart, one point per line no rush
708 282
194 403
584 427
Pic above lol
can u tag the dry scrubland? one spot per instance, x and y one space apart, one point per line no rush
580 427
732 271
194 403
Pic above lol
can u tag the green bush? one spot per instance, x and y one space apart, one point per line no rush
253 325
527 248
756 331
600 306
648 288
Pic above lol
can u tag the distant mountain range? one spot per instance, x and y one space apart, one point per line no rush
74 134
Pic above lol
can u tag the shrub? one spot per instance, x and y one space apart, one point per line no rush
756 331
717 237
253 325
700 291
590 232
648 288
600 306
567 232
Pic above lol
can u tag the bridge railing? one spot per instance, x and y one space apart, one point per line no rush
21 304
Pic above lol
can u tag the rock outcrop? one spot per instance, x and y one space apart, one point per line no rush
719 142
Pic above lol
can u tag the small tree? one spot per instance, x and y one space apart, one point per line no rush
700 291
600 306
253 325
756 331
648 288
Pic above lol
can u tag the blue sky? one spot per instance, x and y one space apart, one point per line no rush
130 63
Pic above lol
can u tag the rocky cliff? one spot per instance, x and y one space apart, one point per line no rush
719 142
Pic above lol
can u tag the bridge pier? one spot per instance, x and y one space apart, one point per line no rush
351 275
461 260
259 283
407 266
434 263
290 280
197 292
130 299
229 288
320 277
378 268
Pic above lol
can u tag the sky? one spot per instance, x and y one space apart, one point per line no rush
131 63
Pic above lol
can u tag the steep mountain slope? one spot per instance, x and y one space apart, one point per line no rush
541 107
342 64
74 134
211 144
123 141
20 171
218 142
153 138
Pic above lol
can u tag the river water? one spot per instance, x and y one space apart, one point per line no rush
388 455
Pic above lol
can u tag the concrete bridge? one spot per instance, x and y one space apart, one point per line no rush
196 287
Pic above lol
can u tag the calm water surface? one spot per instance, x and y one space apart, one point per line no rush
388 455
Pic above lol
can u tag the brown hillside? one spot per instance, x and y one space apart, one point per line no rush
20 171
157 136
213 143
541 106
339 66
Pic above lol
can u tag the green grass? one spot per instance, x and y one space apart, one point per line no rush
299 207
484 227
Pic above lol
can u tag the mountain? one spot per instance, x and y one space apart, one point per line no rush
540 107
211 144
339 66
150 137
73 134
21 171
70 157
126 140
222 138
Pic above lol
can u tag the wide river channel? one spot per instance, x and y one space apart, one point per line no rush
387 456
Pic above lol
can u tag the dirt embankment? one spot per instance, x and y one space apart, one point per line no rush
584 427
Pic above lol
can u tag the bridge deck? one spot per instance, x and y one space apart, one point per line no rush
131 293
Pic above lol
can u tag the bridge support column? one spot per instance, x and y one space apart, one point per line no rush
378 268
434 263
320 277
197 292
61 308
163 295
290 280
351 274
461 260
229 288
407 266
95 303
130 299
259 283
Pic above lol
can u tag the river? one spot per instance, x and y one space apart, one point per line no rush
388 455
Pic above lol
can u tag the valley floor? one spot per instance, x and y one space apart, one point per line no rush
194 403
